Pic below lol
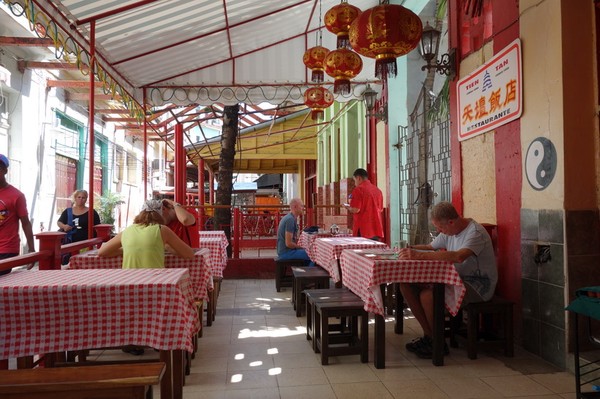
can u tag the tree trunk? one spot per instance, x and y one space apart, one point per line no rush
225 175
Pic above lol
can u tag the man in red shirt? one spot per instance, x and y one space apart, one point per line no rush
13 209
366 206
181 221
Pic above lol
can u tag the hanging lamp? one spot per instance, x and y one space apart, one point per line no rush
338 19
385 32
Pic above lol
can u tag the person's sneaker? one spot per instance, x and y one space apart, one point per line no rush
425 351
414 345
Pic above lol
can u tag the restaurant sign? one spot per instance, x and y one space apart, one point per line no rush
492 95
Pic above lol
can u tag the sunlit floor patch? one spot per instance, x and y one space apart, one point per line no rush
271 332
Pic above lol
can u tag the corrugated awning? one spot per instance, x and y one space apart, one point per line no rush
196 51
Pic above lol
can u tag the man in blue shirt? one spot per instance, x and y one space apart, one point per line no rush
287 234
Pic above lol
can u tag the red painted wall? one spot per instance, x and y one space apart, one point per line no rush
469 34
509 175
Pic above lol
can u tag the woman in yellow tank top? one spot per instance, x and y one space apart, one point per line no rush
143 243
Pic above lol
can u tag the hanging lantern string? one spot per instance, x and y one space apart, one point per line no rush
319 32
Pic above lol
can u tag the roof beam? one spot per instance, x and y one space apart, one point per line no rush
86 96
22 65
119 111
119 120
26 41
80 84
115 11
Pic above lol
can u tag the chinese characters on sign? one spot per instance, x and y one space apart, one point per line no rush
492 95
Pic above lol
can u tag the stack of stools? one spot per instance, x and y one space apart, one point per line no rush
283 272
349 336
307 277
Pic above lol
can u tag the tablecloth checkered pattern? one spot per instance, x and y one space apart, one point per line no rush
363 275
307 242
328 250
218 253
200 268
59 310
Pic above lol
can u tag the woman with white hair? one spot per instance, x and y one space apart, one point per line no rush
143 243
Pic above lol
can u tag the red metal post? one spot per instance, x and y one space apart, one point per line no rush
237 231
211 189
91 143
201 199
50 241
103 231
180 172
145 165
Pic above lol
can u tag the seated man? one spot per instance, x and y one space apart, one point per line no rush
287 234
469 246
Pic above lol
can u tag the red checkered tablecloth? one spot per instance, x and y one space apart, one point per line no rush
218 253
200 268
307 242
328 250
363 274
47 311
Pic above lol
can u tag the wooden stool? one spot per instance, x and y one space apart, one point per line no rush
480 314
303 278
315 296
283 272
344 343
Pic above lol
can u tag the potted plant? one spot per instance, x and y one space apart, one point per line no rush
106 209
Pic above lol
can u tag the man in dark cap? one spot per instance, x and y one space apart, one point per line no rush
13 208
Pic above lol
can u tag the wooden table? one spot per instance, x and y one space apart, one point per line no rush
328 250
201 272
51 311
365 271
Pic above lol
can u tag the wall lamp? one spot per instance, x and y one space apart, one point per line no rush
370 98
430 42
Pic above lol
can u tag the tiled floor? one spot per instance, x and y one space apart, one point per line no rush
257 348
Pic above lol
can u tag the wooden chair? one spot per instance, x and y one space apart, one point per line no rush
354 341
116 381
481 331
283 272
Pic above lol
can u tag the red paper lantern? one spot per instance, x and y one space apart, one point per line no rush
385 32
342 65
318 98
338 19
314 59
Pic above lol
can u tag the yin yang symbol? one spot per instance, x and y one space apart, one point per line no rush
540 163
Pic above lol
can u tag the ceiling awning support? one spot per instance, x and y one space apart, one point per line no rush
180 169
145 164
91 129
201 199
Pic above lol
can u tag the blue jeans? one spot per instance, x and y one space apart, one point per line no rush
296 253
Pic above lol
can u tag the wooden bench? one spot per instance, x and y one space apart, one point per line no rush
115 381
283 272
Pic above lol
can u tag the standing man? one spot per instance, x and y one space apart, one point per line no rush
366 206
13 208
181 221
468 245
287 234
